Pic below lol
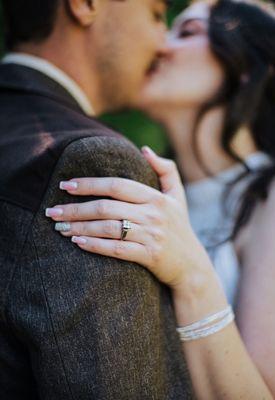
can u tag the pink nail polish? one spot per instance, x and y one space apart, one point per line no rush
54 212
79 240
147 150
68 185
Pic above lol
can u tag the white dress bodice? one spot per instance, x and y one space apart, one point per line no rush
213 224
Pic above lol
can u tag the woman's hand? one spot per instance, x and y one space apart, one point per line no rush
161 238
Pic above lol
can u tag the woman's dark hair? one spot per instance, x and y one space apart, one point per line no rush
28 20
242 36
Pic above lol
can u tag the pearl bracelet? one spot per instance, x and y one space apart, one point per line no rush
207 326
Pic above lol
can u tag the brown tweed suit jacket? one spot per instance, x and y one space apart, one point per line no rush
73 325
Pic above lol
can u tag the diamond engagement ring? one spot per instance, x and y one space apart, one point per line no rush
125 228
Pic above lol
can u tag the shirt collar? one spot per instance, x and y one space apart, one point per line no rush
54 73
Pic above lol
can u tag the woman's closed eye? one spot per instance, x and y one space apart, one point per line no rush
186 32
192 28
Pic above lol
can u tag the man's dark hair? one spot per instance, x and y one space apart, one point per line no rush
28 20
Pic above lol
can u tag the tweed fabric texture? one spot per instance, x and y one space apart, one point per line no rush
75 325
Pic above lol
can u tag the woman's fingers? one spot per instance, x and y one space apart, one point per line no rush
96 210
168 173
101 229
117 188
123 250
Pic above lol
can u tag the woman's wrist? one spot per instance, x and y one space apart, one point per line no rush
201 294
196 276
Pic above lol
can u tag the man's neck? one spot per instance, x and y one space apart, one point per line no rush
54 73
72 62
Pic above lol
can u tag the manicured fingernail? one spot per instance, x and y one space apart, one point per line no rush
79 240
54 212
147 150
62 227
68 185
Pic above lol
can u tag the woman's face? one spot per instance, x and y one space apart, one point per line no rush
190 74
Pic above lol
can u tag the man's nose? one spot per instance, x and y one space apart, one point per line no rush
161 41
169 45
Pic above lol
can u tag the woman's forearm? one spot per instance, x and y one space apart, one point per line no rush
219 365
163 241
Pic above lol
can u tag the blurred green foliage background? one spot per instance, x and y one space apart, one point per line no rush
133 124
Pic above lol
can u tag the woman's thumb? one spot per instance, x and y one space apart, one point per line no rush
167 172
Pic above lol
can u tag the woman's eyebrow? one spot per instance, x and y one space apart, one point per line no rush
186 20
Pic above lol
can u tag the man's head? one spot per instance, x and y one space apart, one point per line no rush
110 44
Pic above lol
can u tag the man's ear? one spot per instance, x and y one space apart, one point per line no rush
83 11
